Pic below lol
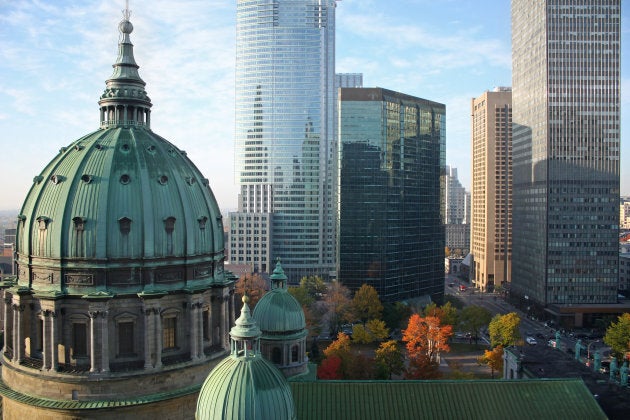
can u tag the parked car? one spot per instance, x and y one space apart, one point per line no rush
531 341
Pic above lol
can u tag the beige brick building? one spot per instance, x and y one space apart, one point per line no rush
491 221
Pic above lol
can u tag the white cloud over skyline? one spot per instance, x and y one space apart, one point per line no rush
55 58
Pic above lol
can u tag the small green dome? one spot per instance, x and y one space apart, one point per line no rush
245 385
278 311
247 388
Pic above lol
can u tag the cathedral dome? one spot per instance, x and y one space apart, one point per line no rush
245 385
278 312
116 206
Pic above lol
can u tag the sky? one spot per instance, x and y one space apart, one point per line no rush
56 56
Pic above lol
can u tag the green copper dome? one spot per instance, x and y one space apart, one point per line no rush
121 209
278 312
245 385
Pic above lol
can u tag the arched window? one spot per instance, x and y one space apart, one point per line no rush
294 353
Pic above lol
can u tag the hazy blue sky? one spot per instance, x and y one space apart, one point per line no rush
55 57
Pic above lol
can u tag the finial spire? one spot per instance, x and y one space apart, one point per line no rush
125 102
126 12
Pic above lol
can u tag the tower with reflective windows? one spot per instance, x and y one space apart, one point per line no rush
565 59
285 100
391 162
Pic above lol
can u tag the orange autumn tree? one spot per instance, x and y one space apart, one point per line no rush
493 358
425 336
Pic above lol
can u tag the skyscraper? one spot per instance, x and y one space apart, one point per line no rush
391 157
285 96
565 81
491 230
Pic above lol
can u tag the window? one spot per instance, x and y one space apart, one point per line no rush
276 356
169 333
79 340
125 338
294 354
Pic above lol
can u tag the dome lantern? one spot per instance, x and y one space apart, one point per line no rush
124 101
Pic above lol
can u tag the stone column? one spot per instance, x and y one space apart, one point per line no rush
104 340
200 316
225 322
194 331
8 318
232 315
15 332
54 350
93 341
149 337
158 337
18 350
46 339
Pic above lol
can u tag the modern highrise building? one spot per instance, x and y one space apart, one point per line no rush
455 196
456 225
491 230
565 81
391 158
285 96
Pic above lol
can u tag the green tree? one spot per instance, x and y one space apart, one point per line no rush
366 304
389 358
361 335
301 295
396 315
447 313
504 330
373 330
314 285
473 318
493 358
618 336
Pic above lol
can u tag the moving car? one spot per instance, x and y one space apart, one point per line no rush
531 341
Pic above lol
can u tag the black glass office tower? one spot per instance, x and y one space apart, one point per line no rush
390 161
565 91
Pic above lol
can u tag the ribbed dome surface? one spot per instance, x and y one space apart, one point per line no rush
120 196
279 312
248 388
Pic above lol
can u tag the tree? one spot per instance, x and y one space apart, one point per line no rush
301 295
447 313
341 349
337 306
425 336
314 286
389 358
493 358
330 368
366 304
253 285
618 336
396 315
447 252
373 330
422 367
473 318
504 330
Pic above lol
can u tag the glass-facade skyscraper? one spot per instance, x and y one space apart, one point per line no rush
285 96
391 160
565 60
